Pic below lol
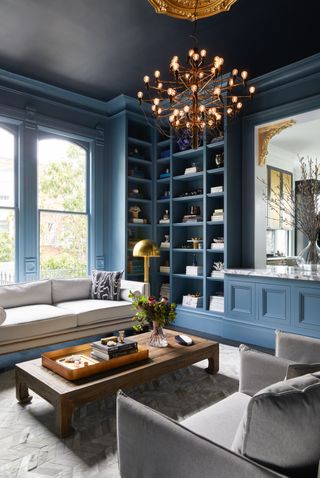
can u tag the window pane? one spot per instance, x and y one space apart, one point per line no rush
6 168
7 231
63 245
62 175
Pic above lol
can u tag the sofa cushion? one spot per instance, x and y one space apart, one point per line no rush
297 369
95 310
281 427
127 286
220 421
35 320
106 285
3 315
64 290
27 293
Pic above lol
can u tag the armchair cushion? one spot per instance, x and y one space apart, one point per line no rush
298 348
259 370
281 427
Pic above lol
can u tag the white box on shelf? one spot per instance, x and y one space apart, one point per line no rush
217 218
164 245
217 274
190 301
194 270
164 221
165 269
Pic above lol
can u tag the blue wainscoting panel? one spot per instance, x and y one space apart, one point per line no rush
273 303
240 302
306 303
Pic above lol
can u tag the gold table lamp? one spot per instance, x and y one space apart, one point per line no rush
146 249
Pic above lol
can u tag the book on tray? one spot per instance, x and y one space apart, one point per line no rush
107 352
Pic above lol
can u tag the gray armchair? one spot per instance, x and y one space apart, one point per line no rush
251 433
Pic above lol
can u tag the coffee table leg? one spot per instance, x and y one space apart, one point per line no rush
64 411
22 391
213 363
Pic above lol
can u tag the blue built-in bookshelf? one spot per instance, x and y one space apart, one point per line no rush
155 177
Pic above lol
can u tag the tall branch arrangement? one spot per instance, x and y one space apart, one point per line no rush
302 212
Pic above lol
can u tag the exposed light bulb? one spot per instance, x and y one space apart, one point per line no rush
234 72
217 91
191 52
194 88
239 105
171 118
201 74
153 107
160 85
146 79
175 112
187 76
140 94
234 99
202 108
159 111
170 91
196 57
157 74
188 124
229 111
213 70
231 82
252 90
244 75
175 66
203 53
156 101
186 109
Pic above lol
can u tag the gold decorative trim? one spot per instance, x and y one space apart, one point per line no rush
266 133
185 9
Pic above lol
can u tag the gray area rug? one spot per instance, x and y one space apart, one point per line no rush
29 448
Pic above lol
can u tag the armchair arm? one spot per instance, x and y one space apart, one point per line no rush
151 445
297 348
259 370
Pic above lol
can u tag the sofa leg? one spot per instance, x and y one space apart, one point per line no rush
213 363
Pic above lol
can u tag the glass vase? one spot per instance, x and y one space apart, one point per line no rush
158 337
309 257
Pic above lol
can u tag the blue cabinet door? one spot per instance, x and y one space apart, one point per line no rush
273 302
306 303
240 303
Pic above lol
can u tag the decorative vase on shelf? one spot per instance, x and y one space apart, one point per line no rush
158 337
309 257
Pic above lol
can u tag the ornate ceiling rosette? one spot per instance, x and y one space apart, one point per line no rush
191 9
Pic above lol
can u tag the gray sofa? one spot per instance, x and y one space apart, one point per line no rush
266 429
52 311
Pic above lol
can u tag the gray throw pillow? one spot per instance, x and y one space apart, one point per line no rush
106 285
298 369
281 427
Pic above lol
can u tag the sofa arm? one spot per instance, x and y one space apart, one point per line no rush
259 370
151 445
297 348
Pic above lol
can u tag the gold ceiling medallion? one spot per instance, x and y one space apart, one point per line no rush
185 9
265 135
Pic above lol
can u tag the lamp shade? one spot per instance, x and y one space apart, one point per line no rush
146 248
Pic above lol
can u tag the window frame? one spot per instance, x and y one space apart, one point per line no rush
86 144
12 127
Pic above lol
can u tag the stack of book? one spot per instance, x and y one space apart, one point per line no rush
106 352
217 215
216 303
165 290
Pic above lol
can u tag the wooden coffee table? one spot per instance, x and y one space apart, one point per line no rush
65 396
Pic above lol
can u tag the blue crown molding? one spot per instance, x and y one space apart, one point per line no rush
287 74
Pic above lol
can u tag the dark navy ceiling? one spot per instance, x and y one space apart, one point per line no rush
102 48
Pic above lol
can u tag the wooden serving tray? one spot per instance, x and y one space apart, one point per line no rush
70 372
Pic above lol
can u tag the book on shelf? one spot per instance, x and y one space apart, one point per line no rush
192 301
194 270
217 273
192 218
216 303
139 220
164 245
165 269
216 189
191 170
217 245
164 175
165 290
164 221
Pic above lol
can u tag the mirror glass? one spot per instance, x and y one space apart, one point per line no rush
278 146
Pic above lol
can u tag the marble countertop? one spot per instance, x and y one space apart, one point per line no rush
278 272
